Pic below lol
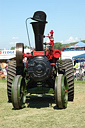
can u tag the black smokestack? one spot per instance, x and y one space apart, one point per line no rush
38 28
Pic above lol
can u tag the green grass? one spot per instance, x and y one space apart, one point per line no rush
78 81
41 112
3 81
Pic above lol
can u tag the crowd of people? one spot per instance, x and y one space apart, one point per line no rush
3 70
79 70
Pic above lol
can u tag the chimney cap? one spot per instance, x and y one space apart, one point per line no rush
39 16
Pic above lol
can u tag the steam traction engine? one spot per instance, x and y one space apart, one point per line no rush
44 69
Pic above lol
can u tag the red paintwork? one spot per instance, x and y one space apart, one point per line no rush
51 38
49 52
53 64
27 55
37 53
53 53
0 52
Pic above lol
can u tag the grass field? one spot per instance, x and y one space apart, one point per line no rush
41 111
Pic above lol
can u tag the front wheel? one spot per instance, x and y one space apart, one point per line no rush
61 91
18 92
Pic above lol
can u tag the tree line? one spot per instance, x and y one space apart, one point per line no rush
57 45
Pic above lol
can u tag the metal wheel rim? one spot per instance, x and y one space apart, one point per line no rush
61 91
19 54
64 91
21 93
18 92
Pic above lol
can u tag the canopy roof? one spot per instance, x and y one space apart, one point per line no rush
78 45
80 57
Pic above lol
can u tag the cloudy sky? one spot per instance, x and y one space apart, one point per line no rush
65 17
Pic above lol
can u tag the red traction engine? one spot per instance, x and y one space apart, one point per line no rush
43 70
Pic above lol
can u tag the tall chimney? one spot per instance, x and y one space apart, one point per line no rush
38 28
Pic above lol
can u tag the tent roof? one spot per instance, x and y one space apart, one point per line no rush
78 45
80 57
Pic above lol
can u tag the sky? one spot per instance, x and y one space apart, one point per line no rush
65 17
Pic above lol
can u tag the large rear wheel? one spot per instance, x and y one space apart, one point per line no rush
11 72
66 66
15 67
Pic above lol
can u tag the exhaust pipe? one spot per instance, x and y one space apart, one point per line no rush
38 28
